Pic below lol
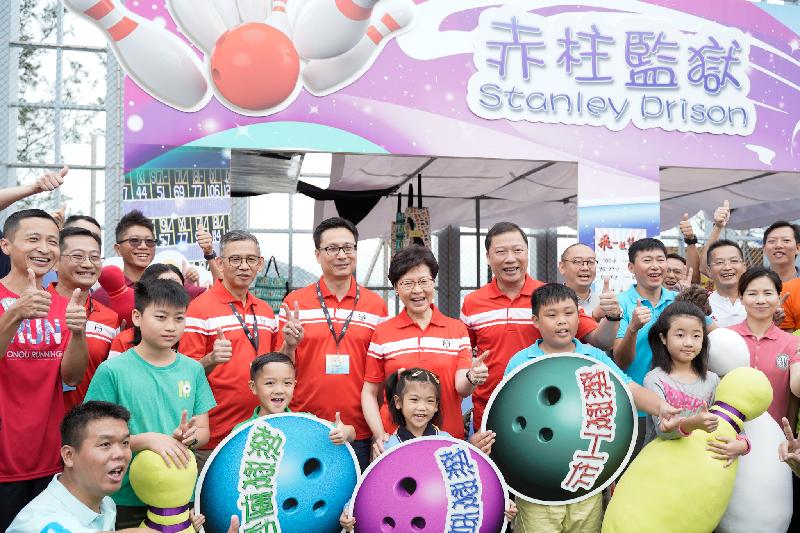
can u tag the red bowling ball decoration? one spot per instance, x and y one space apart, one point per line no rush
255 66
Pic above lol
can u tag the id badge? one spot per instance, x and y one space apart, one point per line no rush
337 363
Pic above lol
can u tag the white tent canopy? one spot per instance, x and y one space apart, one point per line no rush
543 194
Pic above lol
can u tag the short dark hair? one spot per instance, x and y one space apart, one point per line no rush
237 235
645 245
11 224
719 244
551 293
410 257
396 386
661 357
133 218
154 270
66 233
73 427
74 218
752 274
679 257
499 228
783 224
332 223
160 291
264 359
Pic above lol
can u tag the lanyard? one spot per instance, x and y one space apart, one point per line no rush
337 339
252 336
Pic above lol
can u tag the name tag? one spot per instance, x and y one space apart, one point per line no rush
337 363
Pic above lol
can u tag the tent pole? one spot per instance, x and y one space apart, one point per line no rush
478 242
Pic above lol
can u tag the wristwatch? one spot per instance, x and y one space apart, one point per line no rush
614 318
690 241
470 380
210 256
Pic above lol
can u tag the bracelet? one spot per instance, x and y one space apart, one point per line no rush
681 430
210 256
690 241
193 444
470 380
614 318
742 436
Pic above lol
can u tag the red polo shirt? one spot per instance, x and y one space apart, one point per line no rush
773 354
206 313
319 389
443 348
31 394
504 327
101 328
121 343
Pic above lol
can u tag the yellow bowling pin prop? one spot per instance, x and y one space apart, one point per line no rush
165 490
675 486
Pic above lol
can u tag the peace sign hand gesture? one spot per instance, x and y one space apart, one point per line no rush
293 330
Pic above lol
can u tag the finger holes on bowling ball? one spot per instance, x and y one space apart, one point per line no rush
312 468
545 434
417 523
319 508
550 395
289 505
387 524
519 424
406 487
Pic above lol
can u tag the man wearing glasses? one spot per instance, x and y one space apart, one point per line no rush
78 268
136 245
226 328
334 318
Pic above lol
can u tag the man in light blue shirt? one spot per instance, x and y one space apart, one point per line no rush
96 453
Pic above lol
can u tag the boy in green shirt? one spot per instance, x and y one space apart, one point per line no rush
272 380
167 393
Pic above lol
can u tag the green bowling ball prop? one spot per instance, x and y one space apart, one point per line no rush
538 414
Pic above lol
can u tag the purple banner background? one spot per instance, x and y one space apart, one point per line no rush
408 106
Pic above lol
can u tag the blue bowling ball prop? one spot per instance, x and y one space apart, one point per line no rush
280 468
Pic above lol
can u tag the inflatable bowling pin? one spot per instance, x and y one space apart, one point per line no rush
328 28
165 490
762 495
325 76
157 60
675 485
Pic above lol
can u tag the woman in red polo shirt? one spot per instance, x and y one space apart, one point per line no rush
420 336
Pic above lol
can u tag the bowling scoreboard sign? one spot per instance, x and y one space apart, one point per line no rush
181 192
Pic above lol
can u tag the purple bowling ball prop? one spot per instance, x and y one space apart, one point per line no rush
429 485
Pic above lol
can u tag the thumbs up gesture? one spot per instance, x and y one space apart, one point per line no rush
722 214
76 314
204 240
293 330
780 315
33 302
50 181
608 300
705 420
223 349
478 372
686 227
341 433
641 316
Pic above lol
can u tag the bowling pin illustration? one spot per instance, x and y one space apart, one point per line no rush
253 10
228 12
157 60
199 21
325 76
279 19
675 485
762 494
328 28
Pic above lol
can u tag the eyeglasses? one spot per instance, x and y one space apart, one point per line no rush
423 283
80 258
333 250
236 260
135 242
722 262
582 262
